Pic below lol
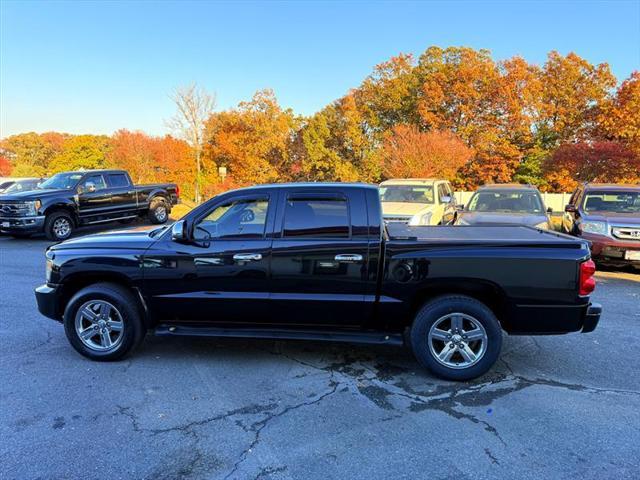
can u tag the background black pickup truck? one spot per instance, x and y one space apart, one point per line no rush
71 199
315 261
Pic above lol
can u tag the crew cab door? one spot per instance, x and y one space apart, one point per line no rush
94 197
222 276
123 194
319 258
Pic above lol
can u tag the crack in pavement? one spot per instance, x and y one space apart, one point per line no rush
257 427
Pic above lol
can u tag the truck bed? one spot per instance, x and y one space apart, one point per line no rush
497 235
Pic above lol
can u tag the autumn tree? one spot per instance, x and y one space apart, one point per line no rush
81 152
5 166
194 107
572 88
253 140
619 118
133 151
387 97
408 152
321 162
31 152
604 161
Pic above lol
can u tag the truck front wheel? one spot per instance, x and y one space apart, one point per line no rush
158 212
102 322
456 337
58 226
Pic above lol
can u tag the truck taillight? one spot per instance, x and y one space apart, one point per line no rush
587 282
178 191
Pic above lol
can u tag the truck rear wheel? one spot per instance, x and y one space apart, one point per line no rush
58 226
102 322
158 211
456 337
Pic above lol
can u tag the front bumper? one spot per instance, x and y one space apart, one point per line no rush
591 318
47 297
22 224
611 250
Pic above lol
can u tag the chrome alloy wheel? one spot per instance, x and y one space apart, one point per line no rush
99 325
457 340
62 227
161 213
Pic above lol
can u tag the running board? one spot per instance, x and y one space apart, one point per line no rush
376 338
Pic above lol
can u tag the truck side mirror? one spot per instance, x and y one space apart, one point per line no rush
570 208
179 231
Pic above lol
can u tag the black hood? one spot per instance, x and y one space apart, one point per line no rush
36 194
134 238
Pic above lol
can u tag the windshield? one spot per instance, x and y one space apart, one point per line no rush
22 186
407 193
520 202
617 202
65 181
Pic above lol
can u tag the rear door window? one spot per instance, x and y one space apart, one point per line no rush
117 180
316 217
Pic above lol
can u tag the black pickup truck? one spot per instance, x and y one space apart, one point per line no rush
71 199
316 262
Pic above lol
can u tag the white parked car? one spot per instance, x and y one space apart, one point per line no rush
417 201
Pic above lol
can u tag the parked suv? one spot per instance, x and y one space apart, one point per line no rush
505 204
417 201
608 216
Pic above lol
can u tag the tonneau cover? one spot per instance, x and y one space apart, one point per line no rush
470 234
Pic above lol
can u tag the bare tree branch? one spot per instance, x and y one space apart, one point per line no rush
194 106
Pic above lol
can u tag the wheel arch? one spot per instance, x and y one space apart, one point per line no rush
489 293
63 207
80 280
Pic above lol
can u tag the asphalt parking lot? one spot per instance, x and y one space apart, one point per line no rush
553 407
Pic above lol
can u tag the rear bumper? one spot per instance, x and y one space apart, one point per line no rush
592 318
553 319
47 299
611 250
22 224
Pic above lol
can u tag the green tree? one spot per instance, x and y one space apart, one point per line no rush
81 152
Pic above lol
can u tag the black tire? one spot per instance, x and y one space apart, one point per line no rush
58 226
158 211
126 307
433 312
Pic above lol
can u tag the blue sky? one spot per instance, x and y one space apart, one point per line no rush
95 67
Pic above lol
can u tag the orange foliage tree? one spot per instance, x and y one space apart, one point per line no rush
588 162
619 119
407 152
252 141
5 166
153 159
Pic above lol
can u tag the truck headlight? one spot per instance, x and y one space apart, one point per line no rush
421 219
593 227
49 265
33 207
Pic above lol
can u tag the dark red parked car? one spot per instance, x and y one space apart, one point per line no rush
609 217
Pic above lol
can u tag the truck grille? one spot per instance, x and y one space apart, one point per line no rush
397 218
626 233
13 209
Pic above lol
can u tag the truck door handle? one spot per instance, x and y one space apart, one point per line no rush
348 258
247 257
